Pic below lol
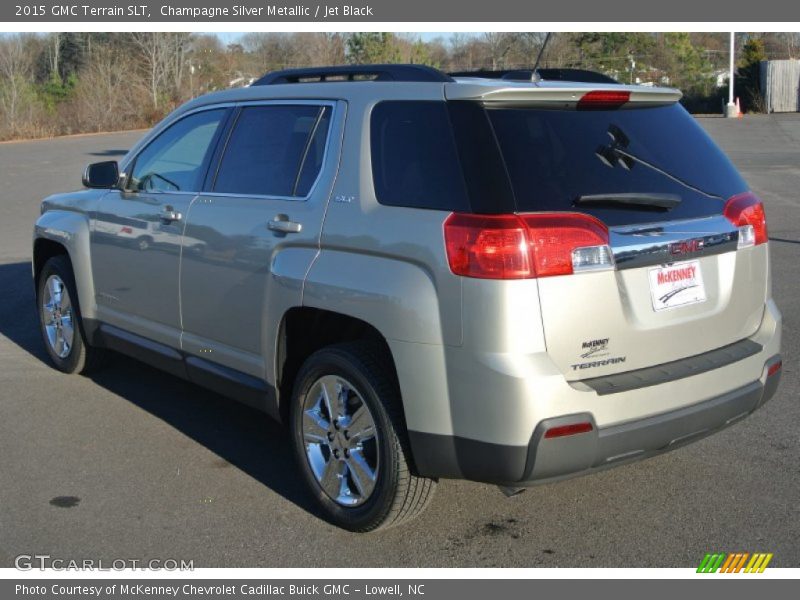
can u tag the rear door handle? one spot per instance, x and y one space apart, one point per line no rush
282 224
169 214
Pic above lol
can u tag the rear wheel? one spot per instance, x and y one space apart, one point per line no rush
60 319
348 435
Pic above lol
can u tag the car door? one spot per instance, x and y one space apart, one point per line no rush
252 235
137 229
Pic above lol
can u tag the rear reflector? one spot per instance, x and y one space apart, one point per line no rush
525 246
746 212
774 368
603 100
565 430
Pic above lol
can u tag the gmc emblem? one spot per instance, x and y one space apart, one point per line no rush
686 247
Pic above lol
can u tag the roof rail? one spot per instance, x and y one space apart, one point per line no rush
575 75
419 73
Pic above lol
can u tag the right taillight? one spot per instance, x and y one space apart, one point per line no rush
746 212
525 246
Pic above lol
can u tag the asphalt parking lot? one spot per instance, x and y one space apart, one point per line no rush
135 464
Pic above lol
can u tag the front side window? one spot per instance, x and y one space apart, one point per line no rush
173 161
274 150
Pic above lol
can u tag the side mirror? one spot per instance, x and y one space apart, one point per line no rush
102 175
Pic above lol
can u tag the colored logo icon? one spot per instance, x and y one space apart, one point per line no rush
738 562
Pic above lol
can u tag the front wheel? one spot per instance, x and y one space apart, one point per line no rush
347 430
60 319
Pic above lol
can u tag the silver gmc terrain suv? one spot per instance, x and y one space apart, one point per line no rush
426 276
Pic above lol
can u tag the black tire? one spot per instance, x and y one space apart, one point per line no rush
82 358
398 495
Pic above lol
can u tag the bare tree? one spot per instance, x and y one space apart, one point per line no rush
786 45
110 80
524 49
98 104
151 53
318 49
499 44
466 52
271 50
560 51
163 56
54 54
15 78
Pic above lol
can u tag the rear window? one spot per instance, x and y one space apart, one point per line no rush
460 156
554 157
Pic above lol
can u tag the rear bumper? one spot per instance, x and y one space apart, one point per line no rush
549 459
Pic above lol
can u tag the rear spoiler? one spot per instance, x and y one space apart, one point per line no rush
567 96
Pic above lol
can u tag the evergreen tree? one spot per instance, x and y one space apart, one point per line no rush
748 84
372 47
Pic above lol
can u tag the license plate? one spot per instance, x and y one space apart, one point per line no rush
677 285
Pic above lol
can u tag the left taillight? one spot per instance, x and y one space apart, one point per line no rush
525 246
487 246
746 212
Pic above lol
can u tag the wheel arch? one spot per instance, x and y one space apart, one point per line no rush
304 330
43 250
67 233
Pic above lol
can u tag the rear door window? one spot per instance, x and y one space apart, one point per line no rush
554 157
274 150
315 152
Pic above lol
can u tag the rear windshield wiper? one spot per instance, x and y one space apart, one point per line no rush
617 153
646 201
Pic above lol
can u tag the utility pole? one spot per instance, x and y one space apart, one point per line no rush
730 109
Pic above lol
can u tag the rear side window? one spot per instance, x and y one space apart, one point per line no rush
414 158
554 157
274 150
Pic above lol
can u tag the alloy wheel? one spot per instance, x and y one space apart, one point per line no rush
341 440
58 316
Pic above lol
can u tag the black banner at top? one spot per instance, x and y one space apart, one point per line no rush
474 11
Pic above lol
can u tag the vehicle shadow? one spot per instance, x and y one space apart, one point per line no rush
242 437
18 314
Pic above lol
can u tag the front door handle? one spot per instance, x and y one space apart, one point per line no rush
169 214
282 224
